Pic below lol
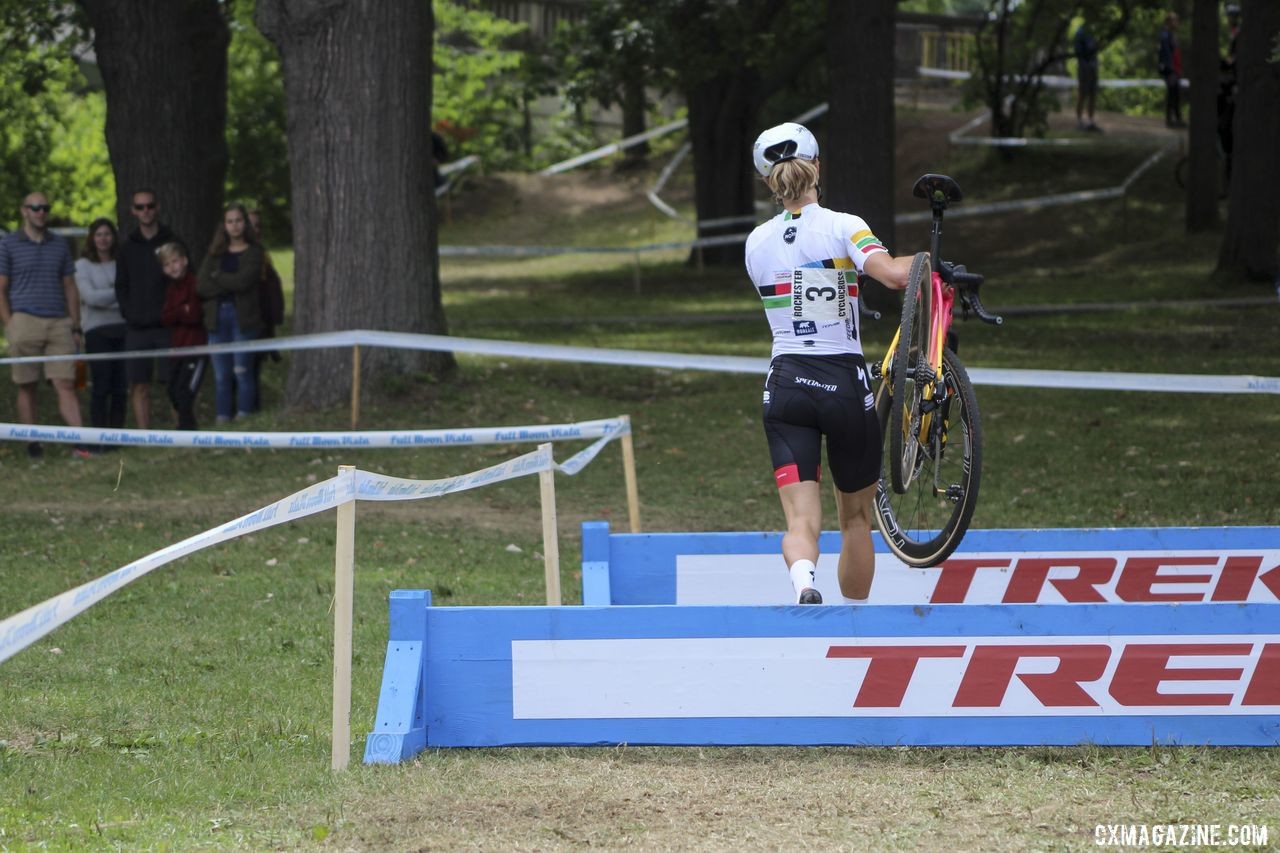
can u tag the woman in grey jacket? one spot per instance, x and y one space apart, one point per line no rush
229 283
104 328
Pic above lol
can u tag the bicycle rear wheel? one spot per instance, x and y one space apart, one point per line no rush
912 351
924 524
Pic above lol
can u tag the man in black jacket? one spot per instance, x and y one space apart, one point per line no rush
140 288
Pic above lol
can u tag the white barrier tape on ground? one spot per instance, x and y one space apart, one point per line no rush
374 439
320 340
22 629
614 147
453 171
1056 81
720 363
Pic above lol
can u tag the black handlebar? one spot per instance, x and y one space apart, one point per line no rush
966 284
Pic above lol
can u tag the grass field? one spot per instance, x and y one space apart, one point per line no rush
192 708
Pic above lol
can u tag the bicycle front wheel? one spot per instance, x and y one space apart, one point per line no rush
912 352
924 524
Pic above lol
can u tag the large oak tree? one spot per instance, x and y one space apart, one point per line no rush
164 68
357 78
1252 233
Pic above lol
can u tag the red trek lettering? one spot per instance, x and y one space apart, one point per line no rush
1264 687
1140 574
991 668
1236 579
1142 667
1030 574
957 576
890 670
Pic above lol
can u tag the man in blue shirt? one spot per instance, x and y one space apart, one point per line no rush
40 308
1086 50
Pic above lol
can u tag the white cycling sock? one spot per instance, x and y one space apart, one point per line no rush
802 572
848 600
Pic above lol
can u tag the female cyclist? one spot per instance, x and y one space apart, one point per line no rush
804 263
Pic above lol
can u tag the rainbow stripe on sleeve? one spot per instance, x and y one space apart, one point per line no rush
866 242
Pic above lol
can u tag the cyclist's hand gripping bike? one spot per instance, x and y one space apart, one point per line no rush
932 459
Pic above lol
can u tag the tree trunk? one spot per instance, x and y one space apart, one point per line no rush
722 118
857 153
357 79
633 120
1205 170
164 68
1252 234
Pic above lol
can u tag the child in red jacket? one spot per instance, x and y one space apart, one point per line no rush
183 313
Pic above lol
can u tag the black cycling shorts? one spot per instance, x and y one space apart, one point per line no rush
807 397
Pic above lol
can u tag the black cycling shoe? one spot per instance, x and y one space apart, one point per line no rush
810 596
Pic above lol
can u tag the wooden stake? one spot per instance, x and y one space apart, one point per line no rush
629 476
355 386
343 599
550 540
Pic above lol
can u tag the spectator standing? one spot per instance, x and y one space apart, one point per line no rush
183 313
229 282
271 298
40 308
1086 50
140 289
104 328
1169 60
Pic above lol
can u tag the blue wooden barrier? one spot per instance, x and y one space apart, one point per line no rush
853 675
1061 566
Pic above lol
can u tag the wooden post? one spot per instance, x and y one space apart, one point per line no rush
343 599
355 386
550 540
629 476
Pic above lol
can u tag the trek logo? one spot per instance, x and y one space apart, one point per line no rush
789 236
1116 675
1093 578
804 327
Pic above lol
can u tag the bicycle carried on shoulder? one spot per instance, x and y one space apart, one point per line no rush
932 461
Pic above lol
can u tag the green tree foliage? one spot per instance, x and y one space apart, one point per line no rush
258 171
479 85
51 136
1023 41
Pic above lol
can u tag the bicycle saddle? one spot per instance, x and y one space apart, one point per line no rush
940 190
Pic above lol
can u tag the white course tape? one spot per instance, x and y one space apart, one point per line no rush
611 427
22 629
614 147
1055 81
717 363
452 171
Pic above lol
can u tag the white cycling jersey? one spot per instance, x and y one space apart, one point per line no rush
801 266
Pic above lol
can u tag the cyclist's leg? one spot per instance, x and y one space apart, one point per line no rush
802 505
857 556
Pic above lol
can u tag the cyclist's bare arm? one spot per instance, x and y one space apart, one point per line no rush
890 271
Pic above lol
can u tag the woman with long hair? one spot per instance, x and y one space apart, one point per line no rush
804 264
104 327
229 284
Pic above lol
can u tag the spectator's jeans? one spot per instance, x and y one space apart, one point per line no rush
110 390
233 377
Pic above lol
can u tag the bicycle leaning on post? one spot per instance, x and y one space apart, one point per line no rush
932 461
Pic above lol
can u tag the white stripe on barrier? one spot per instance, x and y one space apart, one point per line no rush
1012 377
24 628
368 440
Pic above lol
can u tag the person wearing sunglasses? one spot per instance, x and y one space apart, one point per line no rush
804 264
40 308
140 290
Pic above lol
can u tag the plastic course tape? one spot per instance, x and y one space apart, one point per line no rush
611 427
22 629
1009 377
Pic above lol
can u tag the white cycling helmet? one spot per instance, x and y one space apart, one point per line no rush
787 141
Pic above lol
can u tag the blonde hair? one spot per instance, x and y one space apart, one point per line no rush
791 179
171 250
